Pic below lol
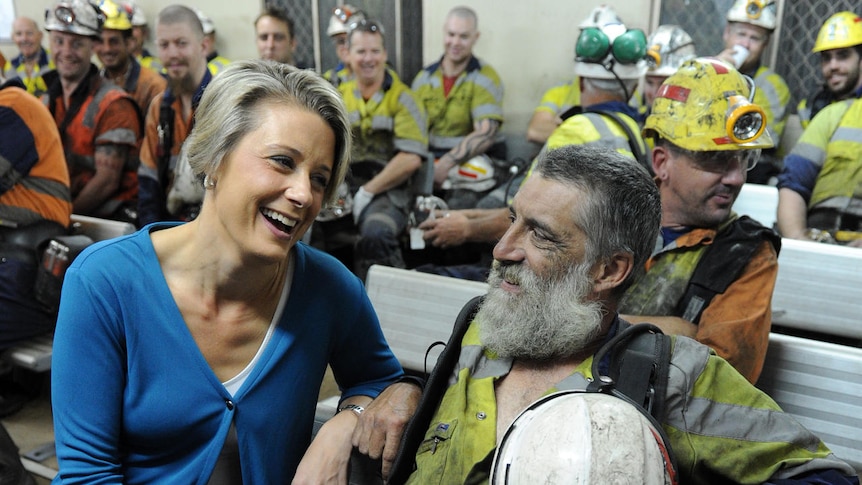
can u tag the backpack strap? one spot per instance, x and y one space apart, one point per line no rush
638 367
722 263
435 387
166 137
637 373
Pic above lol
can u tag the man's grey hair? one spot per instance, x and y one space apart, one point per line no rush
623 209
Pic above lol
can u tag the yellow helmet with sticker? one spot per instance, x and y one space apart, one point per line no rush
844 29
707 106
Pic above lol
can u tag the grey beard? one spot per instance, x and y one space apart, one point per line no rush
548 319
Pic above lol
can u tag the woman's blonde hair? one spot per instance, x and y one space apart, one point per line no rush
226 113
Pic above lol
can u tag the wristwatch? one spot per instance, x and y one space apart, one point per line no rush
356 408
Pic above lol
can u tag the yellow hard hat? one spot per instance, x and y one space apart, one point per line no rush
844 29
117 16
755 12
706 106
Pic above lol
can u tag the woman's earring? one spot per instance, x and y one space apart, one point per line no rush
209 183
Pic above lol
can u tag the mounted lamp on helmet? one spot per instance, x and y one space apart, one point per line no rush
79 17
707 106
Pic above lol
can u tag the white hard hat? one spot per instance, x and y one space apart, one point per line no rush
476 174
342 206
139 19
582 438
342 17
80 17
755 12
601 15
206 22
667 48
607 49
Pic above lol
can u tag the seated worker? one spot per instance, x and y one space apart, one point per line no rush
749 27
667 48
99 123
119 64
712 273
341 18
389 145
820 189
582 227
215 62
464 100
605 119
165 193
34 206
839 43
32 59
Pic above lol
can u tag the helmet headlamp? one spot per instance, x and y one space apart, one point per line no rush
64 14
753 8
745 121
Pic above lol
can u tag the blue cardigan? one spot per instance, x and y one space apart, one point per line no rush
135 401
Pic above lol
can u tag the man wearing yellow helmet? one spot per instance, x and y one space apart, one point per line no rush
712 276
119 65
839 44
750 24
819 189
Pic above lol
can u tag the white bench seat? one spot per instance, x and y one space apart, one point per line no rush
820 383
818 289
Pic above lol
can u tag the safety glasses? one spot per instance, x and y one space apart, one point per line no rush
594 45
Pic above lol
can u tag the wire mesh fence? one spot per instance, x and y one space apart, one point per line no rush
705 20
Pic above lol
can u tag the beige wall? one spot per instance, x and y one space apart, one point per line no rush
531 44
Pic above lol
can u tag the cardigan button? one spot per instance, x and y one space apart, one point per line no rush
229 404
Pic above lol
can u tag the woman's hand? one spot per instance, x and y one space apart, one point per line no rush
325 461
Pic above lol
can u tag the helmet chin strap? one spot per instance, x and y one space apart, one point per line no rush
610 67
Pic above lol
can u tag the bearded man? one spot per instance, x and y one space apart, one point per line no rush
582 227
182 52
